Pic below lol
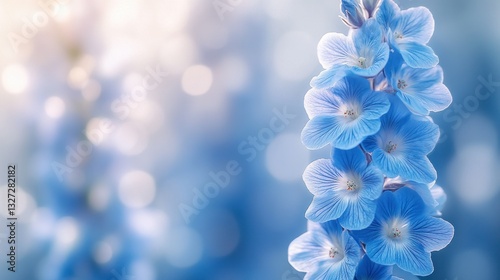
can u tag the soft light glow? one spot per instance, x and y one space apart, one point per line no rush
235 72
283 164
78 77
475 183
148 223
98 198
294 56
103 253
54 107
67 232
15 78
178 52
197 80
184 248
91 91
137 189
130 139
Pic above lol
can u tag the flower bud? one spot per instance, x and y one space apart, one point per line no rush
370 6
353 13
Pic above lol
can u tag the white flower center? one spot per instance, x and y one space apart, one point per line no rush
351 114
398 35
333 253
391 147
397 230
362 62
402 84
351 185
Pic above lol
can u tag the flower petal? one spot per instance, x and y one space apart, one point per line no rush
369 45
308 250
412 205
373 183
375 105
328 78
324 208
321 131
382 251
321 102
321 177
425 91
417 55
359 214
370 270
419 136
412 167
387 207
386 12
425 193
433 233
352 88
335 49
440 196
354 133
349 160
414 259
414 25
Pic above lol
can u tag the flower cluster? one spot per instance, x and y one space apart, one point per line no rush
375 202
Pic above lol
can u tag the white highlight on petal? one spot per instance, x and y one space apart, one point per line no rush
283 164
54 107
137 189
15 78
197 80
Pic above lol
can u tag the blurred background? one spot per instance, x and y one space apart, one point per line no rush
160 139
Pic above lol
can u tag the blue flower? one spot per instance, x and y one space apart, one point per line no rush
421 90
343 115
363 53
325 251
401 145
403 233
345 189
409 31
368 270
